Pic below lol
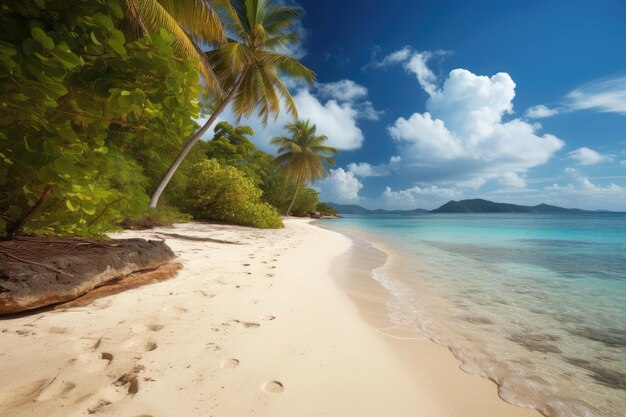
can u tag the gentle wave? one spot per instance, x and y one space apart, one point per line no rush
542 318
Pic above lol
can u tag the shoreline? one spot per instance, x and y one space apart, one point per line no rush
441 375
264 327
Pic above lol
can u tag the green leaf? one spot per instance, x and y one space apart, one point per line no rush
116 10
68 59
7 49
94 39
70 206
42 38
103 20
117 46
56 89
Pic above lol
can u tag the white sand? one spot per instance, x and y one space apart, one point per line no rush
255 329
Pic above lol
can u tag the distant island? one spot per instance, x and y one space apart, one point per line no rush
463 206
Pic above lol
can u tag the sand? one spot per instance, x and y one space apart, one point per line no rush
256 328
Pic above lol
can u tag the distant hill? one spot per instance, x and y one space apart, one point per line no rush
483 206
354 209
463 206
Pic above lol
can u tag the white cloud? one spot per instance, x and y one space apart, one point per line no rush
511 179
607 95
419 197
341 187
344 90
336 117
540 111
464 135
417 64
363 169
586 156
580 191
393 58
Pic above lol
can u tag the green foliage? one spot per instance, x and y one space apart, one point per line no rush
303 156
224 193
326 209
85 113
306 202
278 190
161 216
231 146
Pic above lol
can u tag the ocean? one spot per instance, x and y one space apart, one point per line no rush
534 302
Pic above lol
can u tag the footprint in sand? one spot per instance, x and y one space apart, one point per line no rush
154 327
273 387
246 264
99 407
107 357
129 379
247 324
230 363
270 318
150 346
55 389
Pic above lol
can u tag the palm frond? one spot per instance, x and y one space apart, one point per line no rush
149 16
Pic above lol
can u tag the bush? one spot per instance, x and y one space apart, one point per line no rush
306 202
224 193
326 209
161 216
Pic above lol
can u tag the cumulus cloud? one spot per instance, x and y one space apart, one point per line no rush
607 95
541 111
363 169
336 110
571 189
587 156
580 191
511 179
419 197
340 187
464 135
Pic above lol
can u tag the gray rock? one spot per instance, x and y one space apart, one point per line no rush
37 272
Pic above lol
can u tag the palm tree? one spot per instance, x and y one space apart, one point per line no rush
303 156
250 65
192 22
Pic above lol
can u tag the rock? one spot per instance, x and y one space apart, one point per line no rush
36 272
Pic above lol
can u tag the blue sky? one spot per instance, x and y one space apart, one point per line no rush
521 102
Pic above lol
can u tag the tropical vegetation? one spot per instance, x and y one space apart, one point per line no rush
303 155
99 96
250 65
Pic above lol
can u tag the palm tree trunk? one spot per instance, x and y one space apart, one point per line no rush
293 200
192 141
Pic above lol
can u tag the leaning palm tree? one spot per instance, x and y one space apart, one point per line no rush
303 156
250 65
194 23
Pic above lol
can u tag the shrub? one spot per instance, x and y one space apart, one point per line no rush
326 209
161 216
224 193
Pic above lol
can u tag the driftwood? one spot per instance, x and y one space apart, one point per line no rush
196 238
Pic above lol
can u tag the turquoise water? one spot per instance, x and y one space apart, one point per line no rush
535 302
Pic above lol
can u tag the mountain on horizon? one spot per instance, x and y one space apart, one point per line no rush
463 206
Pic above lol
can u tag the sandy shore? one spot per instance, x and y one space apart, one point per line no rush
254 328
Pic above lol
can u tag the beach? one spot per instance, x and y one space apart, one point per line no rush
275 323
